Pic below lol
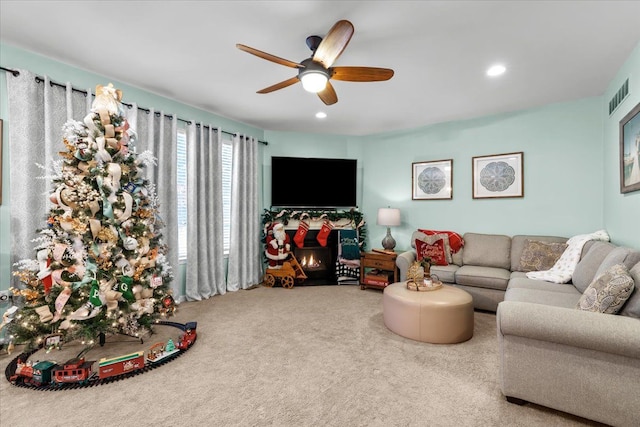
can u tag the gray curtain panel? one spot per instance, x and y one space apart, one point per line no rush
37 112
245 257
205 246
157 134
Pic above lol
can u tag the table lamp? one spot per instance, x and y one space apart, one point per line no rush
389 217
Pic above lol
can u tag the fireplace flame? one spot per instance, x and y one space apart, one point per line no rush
311 263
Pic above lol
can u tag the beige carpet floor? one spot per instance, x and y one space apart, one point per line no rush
307 356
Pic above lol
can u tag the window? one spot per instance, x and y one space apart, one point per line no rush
227 160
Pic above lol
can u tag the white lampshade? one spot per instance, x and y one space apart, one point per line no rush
313 81
389 217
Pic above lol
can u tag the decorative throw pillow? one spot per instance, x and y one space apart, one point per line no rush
540 256
349 247
435 251
430 239
455 240
608 292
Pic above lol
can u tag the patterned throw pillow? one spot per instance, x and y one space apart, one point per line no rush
455 240
540 256
608 293
435 251
430 239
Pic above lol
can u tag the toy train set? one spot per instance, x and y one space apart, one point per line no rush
78 372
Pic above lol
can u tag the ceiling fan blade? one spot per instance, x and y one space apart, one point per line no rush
280 85
328 95
269 57
334 43
361 74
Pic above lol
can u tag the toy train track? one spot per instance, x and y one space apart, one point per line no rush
95 380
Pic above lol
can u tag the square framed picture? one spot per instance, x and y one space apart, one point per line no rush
432 180
498 175
630 151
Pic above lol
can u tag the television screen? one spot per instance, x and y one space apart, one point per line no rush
313 182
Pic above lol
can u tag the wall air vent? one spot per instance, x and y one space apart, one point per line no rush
620 95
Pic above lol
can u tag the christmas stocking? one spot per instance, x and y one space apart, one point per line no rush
44 313
323 234
303 228
125 287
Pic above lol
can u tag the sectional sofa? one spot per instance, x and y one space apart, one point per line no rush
550 352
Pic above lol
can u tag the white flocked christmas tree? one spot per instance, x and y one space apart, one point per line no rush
100 265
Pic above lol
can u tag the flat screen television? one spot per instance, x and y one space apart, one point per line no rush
303 182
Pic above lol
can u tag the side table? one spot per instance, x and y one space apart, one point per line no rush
385 262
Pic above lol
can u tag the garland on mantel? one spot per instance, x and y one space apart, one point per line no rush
355 220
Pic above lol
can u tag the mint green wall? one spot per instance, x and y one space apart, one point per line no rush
562 147
295 144
15 58
621 211
571 162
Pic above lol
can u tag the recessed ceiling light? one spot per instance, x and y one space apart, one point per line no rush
496 70
321 114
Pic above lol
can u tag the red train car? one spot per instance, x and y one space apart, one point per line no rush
188 337
23 372
76 370
120 365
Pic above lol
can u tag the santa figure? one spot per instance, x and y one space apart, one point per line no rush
278 246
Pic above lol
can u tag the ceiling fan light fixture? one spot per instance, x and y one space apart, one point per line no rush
313 81
496 70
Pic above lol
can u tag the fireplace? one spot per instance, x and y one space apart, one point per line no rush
318 262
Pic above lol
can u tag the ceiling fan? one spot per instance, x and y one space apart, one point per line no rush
316 71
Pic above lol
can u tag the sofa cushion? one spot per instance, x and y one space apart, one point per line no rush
608 292
523 282
518 243
545 297
632 307
538 255
586 269
619 255
483 277
487 250
456 257
445 273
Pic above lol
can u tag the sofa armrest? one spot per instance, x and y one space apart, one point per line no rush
582 329
403 261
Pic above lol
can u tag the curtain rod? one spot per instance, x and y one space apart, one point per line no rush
41 79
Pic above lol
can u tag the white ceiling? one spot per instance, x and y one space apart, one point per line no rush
555 51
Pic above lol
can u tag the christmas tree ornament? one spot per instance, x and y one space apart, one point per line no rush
112 298
323 234
303 229
45 313
8 316
61 300
156 281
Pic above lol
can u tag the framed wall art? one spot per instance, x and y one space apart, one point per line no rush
498 175
432 180
630 151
